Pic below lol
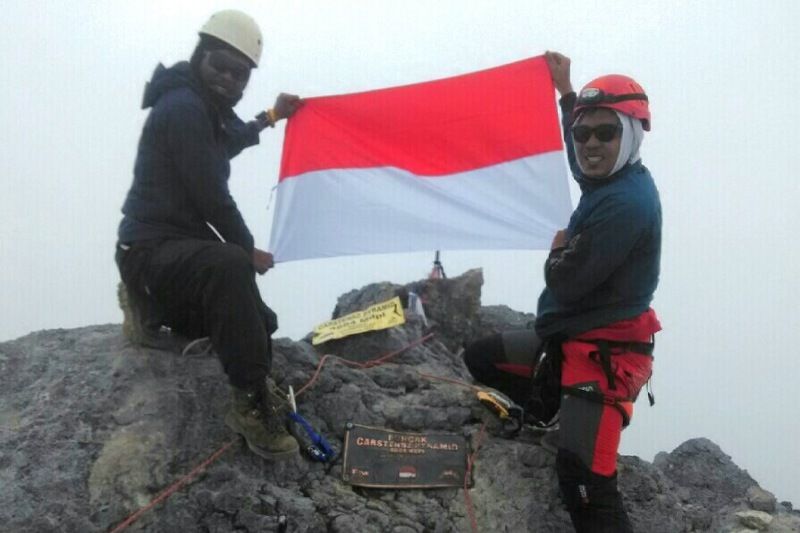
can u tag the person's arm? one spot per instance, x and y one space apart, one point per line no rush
194 153
567 103
579 265
241 135
559 66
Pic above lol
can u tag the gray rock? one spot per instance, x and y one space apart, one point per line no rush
785 523
92 429
498 318
757 520
699 517
647 492
761 500
699 465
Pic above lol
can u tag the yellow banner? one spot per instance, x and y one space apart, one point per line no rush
379 316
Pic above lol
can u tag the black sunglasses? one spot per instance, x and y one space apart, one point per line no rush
222 63
604 133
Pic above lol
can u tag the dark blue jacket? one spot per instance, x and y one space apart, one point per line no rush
180 179
608 271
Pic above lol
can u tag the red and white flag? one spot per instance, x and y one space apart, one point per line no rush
464 163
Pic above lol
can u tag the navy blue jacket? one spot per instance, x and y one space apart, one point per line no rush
180 179
608 271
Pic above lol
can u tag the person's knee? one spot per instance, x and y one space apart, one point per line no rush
227 263
480 356
233 257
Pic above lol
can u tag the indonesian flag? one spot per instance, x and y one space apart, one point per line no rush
470 162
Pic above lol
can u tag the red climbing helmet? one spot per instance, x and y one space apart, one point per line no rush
618 92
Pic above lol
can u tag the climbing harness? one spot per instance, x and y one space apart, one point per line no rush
606 349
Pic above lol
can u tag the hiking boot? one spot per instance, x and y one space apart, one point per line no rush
258 415
132 326
142 329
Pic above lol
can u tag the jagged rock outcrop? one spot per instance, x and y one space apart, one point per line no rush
92 428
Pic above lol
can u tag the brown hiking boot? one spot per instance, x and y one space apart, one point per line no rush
258 415
132 326
140 328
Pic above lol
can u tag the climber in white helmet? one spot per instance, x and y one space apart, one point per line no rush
185 255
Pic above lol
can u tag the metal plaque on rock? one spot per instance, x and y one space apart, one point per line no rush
382 458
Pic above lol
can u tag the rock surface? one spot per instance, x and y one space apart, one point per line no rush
761 500
92 429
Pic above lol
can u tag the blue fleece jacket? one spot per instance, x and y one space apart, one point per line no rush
180 179
608 270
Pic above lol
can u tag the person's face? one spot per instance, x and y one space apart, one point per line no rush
225 73
597 137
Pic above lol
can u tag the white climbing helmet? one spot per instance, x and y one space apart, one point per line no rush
236 29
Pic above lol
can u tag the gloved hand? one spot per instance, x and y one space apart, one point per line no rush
285 106
262 261
559 71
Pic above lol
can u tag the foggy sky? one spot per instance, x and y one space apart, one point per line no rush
721 76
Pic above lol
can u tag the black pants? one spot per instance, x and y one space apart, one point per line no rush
504 361
204 288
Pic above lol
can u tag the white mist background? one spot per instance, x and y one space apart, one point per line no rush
721 76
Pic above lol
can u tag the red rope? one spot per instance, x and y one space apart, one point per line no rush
356 364
467 498
169 491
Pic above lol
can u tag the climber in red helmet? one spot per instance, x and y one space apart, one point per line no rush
594 317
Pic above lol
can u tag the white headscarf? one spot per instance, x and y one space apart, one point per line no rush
632 135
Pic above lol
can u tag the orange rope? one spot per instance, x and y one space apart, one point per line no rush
467 498
169 491
449 380
356 364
